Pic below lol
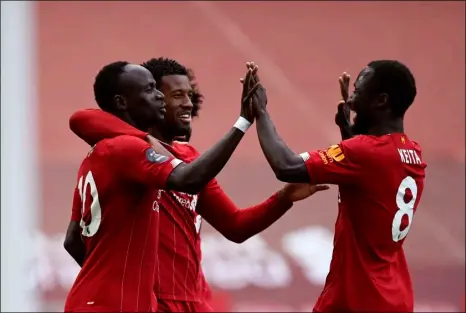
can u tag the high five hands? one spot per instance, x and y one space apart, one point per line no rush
254 103
256 100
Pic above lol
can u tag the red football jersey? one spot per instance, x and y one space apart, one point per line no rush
180 275
116 204
380 181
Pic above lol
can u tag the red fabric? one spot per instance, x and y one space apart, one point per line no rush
183 306
180 275
378 177
234 223
120 227
93 125
77 206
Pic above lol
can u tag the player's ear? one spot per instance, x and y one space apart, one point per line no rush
382 100
120 103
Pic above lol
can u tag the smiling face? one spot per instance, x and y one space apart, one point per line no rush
177 91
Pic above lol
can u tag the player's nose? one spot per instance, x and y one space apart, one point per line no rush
187 105
159 95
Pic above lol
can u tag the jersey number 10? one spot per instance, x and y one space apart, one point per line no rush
404 208
95 209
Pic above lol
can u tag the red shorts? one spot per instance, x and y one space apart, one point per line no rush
182 306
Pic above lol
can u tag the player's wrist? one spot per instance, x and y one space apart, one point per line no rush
260 112
242 124
284 197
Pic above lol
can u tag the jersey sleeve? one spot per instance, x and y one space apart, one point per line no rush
137 161
76 209
93 125
238 224
338 164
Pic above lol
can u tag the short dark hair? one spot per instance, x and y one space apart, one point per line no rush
106 84
396 80
160 67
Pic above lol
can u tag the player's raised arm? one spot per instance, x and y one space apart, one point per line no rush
192 177
238 224
287 165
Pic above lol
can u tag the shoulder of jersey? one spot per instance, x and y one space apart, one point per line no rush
185 148
355 148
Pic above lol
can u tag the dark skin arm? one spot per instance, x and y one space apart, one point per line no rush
73 243
192 177
287 165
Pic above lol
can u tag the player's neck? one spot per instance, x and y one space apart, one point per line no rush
124 116
387 127
160 136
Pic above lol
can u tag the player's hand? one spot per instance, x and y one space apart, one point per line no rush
249 87
343 115
298 192
259 98
344 81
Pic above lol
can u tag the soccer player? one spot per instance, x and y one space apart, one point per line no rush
380 173
180 283
116 200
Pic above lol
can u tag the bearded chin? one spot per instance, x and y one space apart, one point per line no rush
180 131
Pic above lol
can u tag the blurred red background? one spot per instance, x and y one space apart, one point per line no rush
301 48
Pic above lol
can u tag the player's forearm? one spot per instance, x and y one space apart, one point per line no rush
192 177
287 165
73 243
250 221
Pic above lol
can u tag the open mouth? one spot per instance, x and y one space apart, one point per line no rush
185 117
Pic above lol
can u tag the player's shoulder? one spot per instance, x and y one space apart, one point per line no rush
356 144
185 149
123 143
362 147
367 142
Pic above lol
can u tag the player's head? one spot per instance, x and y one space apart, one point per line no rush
383 90
129 91
181 93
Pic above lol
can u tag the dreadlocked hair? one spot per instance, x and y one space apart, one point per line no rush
106 84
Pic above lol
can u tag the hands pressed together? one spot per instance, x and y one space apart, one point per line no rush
254 103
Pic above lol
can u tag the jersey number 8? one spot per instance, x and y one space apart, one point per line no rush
95 209
404 208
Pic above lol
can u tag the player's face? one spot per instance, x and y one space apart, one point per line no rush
177 91
142 101
362 101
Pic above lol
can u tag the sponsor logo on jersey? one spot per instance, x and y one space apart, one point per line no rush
154 157
323 156
334 153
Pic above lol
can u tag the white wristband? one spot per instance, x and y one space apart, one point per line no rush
242 124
